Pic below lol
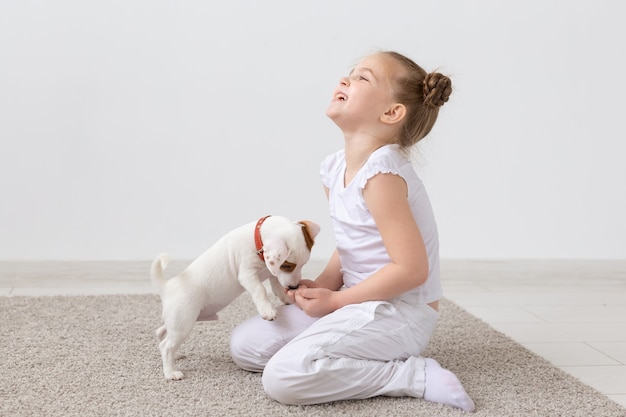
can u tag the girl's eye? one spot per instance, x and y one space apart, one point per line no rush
358 77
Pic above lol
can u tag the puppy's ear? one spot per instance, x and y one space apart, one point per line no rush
309 230
275 252
313 228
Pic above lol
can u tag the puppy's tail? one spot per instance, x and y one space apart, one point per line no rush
156 272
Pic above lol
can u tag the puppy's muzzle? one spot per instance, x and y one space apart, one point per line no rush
293 287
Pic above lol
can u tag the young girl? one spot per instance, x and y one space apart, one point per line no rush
359 329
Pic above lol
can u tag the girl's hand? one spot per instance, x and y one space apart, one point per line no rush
316 302
305 283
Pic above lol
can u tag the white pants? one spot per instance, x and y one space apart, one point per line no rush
359 351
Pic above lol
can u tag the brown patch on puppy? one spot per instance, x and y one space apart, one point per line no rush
307 234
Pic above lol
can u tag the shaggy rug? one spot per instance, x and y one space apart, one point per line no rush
97 356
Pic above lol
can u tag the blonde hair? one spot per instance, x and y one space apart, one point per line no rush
422 94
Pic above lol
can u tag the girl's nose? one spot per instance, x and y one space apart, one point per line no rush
344 81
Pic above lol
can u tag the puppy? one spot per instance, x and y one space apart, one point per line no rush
273 247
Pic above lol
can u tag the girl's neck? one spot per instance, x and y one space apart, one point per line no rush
358 148
357 152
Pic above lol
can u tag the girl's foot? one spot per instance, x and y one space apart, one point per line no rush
442 386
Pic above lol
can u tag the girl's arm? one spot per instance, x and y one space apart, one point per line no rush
330 277
386 198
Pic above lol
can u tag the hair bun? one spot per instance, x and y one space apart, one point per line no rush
437 89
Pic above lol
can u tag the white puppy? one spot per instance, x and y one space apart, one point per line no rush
273 247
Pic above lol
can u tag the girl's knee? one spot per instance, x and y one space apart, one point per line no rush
244 353
286 381
290 378
279 387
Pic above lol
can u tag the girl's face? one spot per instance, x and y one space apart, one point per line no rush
365 94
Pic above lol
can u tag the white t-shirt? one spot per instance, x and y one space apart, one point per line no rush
359 244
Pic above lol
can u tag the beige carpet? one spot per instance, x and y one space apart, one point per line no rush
97 356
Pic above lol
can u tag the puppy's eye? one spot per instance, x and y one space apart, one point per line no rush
287 267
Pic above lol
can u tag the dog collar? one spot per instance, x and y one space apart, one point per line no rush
257 237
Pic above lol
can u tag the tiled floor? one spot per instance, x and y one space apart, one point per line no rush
572 313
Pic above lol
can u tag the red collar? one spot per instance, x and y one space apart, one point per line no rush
257 237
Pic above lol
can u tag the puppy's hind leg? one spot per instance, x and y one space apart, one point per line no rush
175 331
160 333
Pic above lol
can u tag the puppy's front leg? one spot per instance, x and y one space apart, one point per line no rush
251 283
278 289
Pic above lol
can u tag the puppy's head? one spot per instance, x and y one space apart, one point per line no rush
287 249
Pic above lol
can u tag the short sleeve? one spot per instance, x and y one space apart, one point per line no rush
380 164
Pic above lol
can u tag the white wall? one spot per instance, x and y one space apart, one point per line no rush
137 126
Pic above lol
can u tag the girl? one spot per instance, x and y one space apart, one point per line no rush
358 330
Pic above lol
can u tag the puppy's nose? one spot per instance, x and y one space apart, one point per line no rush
293 287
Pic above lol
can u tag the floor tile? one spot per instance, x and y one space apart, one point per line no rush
619 398
570 354
512 314
469 295
581 314
606 379
563 332
615 350
463 288
75 291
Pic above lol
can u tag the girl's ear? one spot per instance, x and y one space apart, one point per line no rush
394 114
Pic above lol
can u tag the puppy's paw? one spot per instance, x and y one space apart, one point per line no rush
283 298
268 312
174 375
